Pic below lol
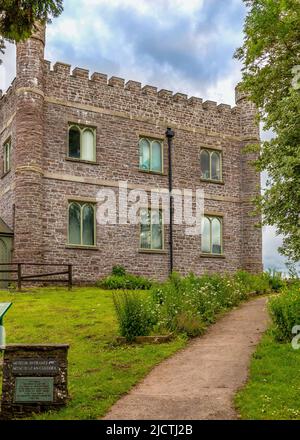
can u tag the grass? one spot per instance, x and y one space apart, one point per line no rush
100 370
272 392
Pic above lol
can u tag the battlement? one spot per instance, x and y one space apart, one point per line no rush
9 92
64 73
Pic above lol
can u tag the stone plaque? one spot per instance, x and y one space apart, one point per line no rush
35 379
24 367
34 389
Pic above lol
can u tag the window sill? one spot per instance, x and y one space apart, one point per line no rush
152 251
87 162
218 182
77 246
157 173
203 255
5 174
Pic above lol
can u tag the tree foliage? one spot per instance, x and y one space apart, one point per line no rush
18 17
271 76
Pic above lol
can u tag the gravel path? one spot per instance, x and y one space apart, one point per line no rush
200 381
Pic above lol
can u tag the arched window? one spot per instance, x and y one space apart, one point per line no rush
87 145
151 233
215 166
211 240
144 154
211 165
151 155
74 142
156 151
206 237
7 157
82 224
216 240
82 143
88 225
74 223
205 165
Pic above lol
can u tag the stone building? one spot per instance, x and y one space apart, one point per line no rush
66 135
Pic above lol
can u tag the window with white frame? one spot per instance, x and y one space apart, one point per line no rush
211 164
151 155
211 239
151 229
82 143
7 157
82 223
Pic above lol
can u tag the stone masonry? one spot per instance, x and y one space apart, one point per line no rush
35 113
37 362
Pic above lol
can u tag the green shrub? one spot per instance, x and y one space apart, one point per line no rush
185 305
125 282
190 325
134 315
285 312
253 283
119 271
276 281
191 303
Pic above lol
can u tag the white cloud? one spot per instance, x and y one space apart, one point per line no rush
8 66
150 7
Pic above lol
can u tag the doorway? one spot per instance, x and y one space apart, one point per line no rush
5 257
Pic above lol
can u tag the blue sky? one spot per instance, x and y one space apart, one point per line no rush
179 45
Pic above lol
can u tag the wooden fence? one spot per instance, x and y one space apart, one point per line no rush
18 270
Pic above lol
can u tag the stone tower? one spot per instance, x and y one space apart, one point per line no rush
29 147
251 234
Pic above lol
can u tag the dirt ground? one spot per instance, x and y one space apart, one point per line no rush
200 381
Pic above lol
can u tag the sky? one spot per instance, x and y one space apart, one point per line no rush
182 45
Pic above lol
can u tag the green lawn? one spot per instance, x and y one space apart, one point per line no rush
100 370
273 388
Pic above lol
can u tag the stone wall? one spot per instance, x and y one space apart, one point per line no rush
7 131
121 113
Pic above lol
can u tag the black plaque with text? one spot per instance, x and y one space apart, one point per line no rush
40 367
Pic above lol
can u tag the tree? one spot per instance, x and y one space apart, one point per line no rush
271 76
18 17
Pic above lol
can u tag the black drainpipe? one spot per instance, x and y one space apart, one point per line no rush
170 134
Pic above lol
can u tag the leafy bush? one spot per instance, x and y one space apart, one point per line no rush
190 325
119 271
285 312
126 282
134 315
185 305
276 281
253 283
189 304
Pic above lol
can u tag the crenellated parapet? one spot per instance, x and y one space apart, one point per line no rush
5 97
62 73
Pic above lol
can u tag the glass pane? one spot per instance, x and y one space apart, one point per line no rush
216 236
74 142
215 166
74 223
157 236
88 225
88 146
144 154
8 157
145 237
156 164
204 164
205 239
5 158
